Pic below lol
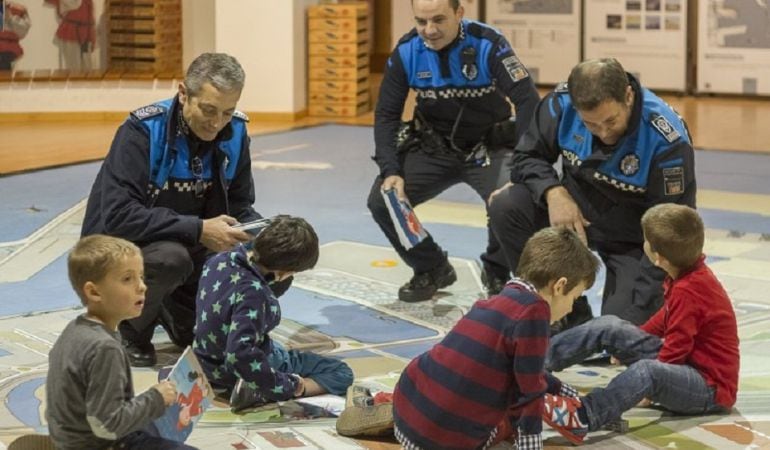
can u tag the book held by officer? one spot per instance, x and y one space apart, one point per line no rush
194 396
410 230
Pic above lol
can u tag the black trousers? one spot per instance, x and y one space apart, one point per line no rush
171 273
428 174
633 287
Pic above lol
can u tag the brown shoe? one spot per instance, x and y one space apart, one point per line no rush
375 420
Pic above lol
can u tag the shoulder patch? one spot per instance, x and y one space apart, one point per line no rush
241 115
145 112
664 127
561 87
515 68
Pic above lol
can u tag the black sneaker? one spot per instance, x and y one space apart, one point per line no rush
422 286
580 314
140 355
243 397
492 283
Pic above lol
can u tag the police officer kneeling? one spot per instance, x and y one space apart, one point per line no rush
623 150
461 72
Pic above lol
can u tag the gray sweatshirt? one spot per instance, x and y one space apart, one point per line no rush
89 390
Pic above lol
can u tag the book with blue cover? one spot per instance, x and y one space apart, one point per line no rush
194 396
409 229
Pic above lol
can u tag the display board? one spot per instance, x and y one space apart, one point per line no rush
734 47
649 37
545 34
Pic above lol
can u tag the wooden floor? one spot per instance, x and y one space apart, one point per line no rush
716 123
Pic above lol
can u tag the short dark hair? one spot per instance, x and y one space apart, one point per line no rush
287 243
557 252
595 81
93 257
223 71
676 232
453 3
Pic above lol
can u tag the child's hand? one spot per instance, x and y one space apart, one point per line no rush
168 390
645 402
614 361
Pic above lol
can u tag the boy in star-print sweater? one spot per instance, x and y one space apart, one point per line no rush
237 310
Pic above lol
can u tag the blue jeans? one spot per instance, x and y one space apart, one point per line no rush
148 438
331 374
677 387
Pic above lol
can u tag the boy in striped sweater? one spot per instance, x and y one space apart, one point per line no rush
484 382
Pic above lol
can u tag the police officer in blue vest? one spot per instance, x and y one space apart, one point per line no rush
176 178
598 153
462 131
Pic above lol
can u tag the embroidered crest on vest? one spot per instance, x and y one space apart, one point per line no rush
468 58
665 128
629 165
148 111
423 75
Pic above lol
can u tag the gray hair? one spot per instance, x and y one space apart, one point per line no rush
595 81
223 71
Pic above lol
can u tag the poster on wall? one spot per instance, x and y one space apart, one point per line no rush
402 18
539 30
649 37
734 47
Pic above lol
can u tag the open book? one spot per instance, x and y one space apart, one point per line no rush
194 396
409 229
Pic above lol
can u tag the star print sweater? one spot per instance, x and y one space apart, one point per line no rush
236 312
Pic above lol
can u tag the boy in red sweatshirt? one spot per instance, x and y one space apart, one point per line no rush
684 358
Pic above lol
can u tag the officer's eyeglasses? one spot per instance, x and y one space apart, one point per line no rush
197 171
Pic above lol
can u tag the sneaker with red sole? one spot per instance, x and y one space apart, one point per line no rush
561 413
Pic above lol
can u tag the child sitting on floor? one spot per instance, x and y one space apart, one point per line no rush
90 395
684 358
237 311
484 382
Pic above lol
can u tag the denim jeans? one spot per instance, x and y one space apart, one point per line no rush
148 438
677 387
331 374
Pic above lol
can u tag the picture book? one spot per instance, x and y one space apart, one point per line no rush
194 396
410 231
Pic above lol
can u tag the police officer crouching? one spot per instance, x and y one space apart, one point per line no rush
623 150
462 71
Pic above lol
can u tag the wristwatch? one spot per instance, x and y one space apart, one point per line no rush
300 383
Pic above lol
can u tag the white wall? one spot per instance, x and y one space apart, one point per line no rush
267 36
269 39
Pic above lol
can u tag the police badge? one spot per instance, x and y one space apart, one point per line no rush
629 165
468 58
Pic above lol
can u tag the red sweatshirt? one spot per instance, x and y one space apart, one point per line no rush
698 327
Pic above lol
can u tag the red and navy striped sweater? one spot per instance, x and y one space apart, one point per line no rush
489 365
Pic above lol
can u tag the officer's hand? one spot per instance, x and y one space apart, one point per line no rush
219 235
497 191
564 212
168 390
397 183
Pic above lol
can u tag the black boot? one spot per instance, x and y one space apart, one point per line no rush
492 283
580 314
140 351
422 286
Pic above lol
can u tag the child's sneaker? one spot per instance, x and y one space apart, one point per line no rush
561 413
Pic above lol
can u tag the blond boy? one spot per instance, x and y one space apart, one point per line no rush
90 395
